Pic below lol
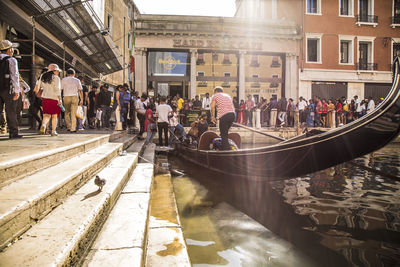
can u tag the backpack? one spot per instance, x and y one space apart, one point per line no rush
5 80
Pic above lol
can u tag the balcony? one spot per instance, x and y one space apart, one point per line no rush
395 21
226 85
202 84
367 20
226 62
255 85
367 66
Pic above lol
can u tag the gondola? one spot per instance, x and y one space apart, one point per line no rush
303 155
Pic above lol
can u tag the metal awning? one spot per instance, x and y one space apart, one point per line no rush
75 23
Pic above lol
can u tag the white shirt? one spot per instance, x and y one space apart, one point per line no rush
302 104
140 106
70 85
173 121
162 112
13 66
51 90
206 103
371 105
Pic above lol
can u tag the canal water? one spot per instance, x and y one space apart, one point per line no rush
347 215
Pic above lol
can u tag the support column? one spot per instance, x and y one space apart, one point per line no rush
291 77
193 53
242 76
140 70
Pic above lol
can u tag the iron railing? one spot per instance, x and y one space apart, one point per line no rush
367 66
367 18
396 19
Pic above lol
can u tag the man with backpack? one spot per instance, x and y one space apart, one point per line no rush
9 86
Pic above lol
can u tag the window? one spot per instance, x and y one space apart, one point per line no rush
396 12
346 50
200 74
366 13
313 49
200 58
346 7
255 76
111 4
365 54
254 61
313 7
275 81
396 49
227 74
109 24
226 59
275 62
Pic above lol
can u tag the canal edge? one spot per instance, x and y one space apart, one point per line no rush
165 243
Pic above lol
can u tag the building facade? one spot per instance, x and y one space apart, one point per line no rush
348 47
191 55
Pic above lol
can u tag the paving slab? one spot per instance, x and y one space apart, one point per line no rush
62 237
126 257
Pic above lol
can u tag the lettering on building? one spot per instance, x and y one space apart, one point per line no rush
209 43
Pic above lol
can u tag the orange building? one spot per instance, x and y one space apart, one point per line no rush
348 47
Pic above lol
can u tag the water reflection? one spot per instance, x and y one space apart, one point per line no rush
345 215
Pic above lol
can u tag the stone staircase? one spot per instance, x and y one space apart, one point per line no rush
52 214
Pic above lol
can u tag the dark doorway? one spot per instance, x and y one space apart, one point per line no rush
377 90
175 88
329 90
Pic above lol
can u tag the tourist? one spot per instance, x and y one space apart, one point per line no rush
371 104
339 112
329 117
272 108
226 114
290 112
318 111
92 106
150 124
179 102
50 83
197 103
241 117
176 129
10 89
117 108
140 113
310 113
72 97
163 112
124 101
249 111
324 113
302 109
206 106
202 125
103 104
35 106
363 105
282 106
236 105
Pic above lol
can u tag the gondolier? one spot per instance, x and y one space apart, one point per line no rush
226 114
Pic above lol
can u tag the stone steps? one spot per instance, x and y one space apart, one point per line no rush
29 199
122 240
64 235
13 166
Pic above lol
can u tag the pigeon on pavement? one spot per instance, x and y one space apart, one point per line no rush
99 182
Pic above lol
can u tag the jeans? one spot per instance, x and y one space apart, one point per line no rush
150 134
162 128
141 119
249 118
225 122
6 99
178 127
105 116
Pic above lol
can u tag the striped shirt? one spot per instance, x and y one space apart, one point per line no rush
224 104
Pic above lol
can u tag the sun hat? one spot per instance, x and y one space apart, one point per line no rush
5 44
53 67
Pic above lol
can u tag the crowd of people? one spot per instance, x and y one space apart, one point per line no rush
100 107
316 112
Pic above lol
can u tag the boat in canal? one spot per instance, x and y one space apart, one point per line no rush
307 154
